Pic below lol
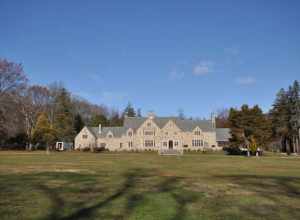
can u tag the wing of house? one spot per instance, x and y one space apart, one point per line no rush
154 133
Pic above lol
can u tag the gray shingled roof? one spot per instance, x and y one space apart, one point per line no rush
93 130
183 124
136 122
117 131
223 134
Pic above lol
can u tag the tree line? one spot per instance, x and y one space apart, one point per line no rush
277 130
36 116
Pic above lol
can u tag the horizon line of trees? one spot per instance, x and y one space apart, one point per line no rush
276 130
37 116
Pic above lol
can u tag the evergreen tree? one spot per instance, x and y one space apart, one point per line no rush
116 120
96 120
78 123
63 118
294 111
129 111
237 132
249 124
286 118
139 112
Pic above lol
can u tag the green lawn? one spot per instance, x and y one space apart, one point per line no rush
73 185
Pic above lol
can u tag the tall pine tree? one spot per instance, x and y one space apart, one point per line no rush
78 123
129 111
63 119
285 116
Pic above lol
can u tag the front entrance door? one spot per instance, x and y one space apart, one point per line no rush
170 144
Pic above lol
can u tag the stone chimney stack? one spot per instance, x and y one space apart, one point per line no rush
151 115
213 120
100 129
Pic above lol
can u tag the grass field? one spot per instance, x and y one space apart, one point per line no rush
73 185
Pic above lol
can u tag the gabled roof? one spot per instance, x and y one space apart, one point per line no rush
190 125
183 124
223 134
93 130
135 122
117 131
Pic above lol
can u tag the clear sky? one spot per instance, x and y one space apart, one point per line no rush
160 55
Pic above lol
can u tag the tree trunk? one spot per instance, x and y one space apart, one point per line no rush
298 140
293 144
287 145
297 145
47 149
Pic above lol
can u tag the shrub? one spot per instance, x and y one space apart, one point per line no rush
232 150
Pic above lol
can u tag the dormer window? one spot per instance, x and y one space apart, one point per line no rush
130 133
148 124
84 136
109 136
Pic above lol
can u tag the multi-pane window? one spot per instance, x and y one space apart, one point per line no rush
149 124
176 143
109 136
165 144
130 133
197 132
149 143
197 143
130 144
84 136
149 133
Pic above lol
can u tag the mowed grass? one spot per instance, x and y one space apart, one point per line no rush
74 185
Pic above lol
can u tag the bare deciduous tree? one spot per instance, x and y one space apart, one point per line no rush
34 100
12 82
12 77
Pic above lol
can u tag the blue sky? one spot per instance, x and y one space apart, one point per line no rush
160 55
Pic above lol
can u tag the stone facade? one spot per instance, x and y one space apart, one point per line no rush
153 133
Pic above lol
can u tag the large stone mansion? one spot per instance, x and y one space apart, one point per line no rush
154 133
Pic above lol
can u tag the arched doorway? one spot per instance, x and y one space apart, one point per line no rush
170 144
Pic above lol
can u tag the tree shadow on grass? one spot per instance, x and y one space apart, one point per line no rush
275 189
88 212
268 185
134 177
170 185
133 180
56 202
